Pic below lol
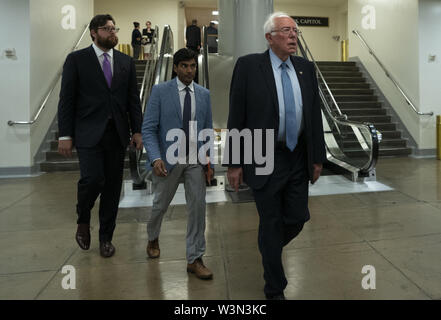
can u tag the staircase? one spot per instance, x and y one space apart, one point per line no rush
56 162
357 100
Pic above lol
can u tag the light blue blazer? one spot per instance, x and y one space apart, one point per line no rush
163 113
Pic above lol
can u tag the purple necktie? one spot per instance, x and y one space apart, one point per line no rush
107 70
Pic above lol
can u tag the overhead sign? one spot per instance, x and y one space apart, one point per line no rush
311 21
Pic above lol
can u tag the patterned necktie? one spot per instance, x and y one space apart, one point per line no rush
107 70
290 110
186 117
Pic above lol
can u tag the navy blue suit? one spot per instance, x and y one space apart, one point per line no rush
282 196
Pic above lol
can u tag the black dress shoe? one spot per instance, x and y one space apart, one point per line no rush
280 296
107 249
83 236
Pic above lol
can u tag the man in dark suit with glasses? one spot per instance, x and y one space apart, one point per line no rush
99 113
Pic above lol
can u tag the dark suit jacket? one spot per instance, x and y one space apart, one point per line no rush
193 36
254 105
86 101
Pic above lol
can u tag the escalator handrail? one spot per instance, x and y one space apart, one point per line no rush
52 87
344 116
205 57
149 67
167 34
342 119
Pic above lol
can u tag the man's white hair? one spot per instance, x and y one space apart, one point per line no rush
270 21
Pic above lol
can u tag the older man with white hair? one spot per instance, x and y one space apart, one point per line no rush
276 90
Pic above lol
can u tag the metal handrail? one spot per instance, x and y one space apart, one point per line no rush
391 77
57 78
165 39
205 55
149 69
342 118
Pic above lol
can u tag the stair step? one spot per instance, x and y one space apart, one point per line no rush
338 68
383 152
336 63
351 92
55 156
344 79
373 119
343 85
386 135
359 104
364 112
330 74
394 143
67 165
359 97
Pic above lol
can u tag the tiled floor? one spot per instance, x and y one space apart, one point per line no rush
397 232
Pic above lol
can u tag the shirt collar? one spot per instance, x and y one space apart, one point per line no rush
277 62
100 52
182 86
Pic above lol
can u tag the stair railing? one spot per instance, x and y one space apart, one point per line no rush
388 74
369 141
51 89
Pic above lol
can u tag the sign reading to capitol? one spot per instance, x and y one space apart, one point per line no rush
311 21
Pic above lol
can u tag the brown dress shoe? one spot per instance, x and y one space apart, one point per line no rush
83 236
107 249
153 249
199 269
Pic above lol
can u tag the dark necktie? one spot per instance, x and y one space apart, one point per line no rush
186 118
290 110
107 69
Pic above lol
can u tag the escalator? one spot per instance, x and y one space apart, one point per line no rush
351 147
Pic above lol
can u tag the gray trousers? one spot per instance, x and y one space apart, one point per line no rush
164 189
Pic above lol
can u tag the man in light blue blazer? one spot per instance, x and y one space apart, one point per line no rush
177 134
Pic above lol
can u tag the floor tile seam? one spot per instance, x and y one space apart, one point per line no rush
428 295
407 237
367 206
55 274
15 202
224 257
26 272
324 246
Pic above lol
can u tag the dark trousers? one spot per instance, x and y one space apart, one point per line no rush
283 209
101 170
136 51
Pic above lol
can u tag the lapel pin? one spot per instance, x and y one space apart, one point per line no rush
301 72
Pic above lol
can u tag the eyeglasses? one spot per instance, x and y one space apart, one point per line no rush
109 29
287 30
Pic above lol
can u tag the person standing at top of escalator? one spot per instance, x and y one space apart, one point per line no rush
136 41
147 39
193 36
